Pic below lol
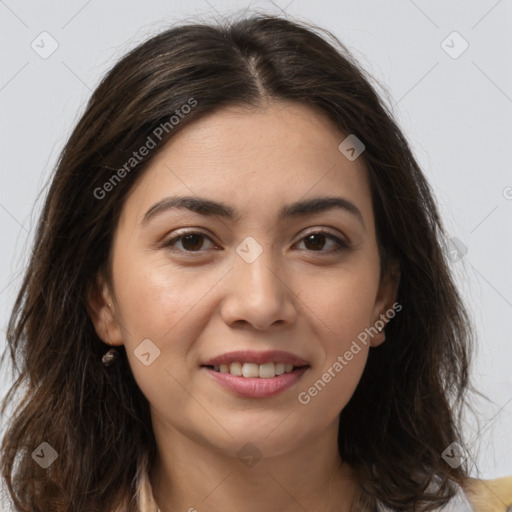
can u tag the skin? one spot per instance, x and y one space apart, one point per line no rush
296 296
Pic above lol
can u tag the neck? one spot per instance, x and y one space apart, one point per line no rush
189 474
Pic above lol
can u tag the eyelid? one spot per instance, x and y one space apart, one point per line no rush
326 231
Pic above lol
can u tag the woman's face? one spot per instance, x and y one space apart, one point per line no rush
192 285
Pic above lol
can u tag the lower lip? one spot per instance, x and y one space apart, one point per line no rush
256 387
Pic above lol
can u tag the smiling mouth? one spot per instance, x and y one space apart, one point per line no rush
253 370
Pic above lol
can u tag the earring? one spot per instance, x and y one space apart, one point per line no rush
111 356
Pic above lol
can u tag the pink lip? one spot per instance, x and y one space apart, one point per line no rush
249 356
256 387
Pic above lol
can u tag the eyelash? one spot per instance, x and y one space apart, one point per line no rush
340 244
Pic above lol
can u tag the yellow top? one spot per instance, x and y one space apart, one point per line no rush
490 495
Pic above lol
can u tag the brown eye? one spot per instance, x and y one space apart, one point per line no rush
315 241
190 242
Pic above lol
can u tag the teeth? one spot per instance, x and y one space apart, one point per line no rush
250 370
263 371
267 371
235 369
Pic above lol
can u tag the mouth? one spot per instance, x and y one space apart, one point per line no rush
268 370
256 374
255 357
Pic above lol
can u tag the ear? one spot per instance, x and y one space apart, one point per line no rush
101 309
385 303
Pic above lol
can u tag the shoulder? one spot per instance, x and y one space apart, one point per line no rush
489 495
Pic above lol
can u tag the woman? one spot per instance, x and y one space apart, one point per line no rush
239 216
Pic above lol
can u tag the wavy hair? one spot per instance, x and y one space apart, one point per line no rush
407 407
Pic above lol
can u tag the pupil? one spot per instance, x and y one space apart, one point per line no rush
313 236
194 238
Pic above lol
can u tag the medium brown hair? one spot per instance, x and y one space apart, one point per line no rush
406 409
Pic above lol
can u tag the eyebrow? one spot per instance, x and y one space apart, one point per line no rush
210 208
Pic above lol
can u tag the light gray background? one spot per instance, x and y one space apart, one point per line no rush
456 113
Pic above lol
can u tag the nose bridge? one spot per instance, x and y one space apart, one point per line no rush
257 292
255 268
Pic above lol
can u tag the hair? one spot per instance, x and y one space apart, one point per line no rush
408 405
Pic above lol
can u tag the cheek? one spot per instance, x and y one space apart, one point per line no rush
169 308
341 309
341 305
329 390
156 299
340 364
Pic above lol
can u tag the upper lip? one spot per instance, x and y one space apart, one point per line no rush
249 356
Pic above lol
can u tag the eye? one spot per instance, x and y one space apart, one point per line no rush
191 241
316 240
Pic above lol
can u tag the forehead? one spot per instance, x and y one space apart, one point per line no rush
254 159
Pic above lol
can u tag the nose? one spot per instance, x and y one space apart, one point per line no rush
258 294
